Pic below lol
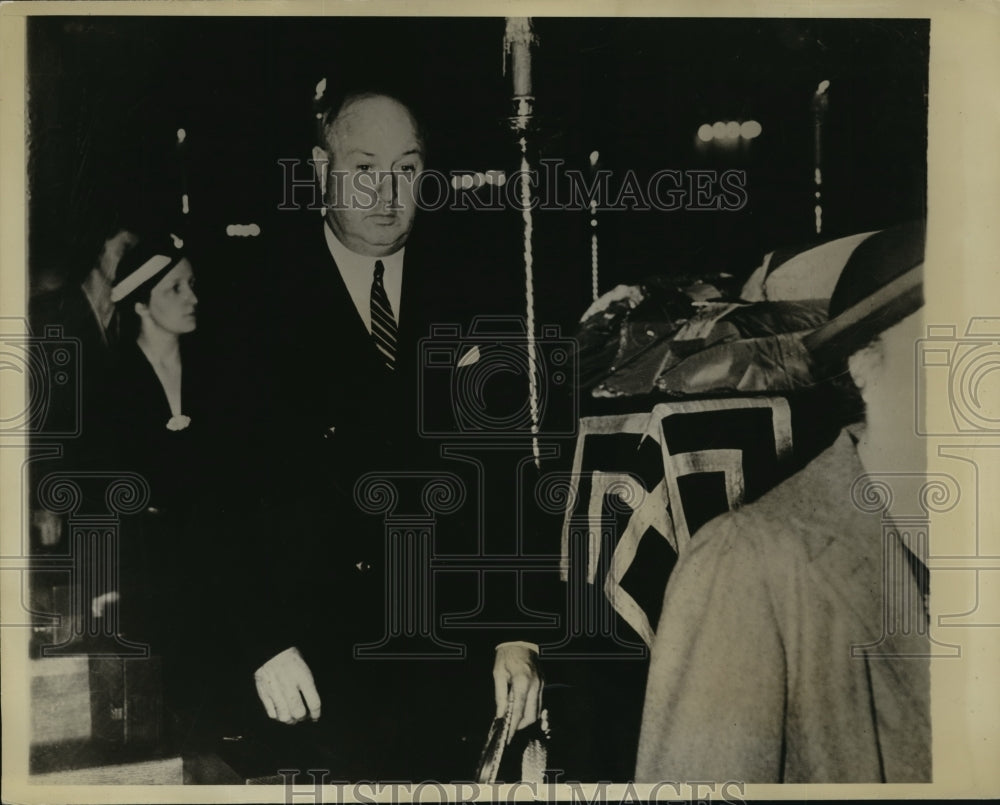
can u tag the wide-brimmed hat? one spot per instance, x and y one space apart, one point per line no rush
881 284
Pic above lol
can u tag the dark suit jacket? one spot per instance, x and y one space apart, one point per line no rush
332 412
333 375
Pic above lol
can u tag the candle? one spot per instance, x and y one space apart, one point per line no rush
521 59
518 40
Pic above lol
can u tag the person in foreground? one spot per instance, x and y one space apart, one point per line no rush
786 651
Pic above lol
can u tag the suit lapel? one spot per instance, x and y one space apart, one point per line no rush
411 309
345 320
338 323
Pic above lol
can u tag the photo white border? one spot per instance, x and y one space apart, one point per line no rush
962 280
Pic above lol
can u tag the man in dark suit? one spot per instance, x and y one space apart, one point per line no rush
362 294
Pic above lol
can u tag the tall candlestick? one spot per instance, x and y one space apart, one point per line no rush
182 169
821 102
521 60
518 40
595 285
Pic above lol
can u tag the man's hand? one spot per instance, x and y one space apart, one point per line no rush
286 688
517 676
99 603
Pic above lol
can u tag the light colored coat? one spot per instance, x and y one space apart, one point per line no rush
752 674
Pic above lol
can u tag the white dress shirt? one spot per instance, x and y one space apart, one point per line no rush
358 272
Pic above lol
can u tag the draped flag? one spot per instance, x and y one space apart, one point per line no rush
653 479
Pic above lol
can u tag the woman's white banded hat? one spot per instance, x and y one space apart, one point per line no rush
145 262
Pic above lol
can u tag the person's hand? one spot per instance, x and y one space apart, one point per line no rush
49 526
286 688
100 602
517 678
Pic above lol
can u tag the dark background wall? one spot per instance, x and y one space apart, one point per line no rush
107 96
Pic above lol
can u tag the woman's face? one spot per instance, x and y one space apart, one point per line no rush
172 302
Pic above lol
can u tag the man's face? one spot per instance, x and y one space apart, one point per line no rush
374 154
886 376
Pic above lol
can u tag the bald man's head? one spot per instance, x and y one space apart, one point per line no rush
371 154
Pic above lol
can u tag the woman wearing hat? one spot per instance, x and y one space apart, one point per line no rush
156 397
160 426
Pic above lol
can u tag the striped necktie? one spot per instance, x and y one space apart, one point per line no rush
383 322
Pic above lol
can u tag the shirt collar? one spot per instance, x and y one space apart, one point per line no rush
353 262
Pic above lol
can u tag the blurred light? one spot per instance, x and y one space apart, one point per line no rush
593 222
468 181
729 130
181 136
818 177
178 243
594 156
242 230
817 194
184 204
824 85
